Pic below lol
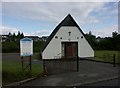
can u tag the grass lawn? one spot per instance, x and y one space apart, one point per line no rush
0 66
11 71
36 56
106 56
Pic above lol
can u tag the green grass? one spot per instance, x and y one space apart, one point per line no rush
12 71
36 56
106 56
100 53
0 65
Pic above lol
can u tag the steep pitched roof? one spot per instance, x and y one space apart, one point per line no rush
67 21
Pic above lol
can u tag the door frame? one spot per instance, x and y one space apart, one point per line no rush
76 42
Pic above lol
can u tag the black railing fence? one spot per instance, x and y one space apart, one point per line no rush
119 56
108 58
63 65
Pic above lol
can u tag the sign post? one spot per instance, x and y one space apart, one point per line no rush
26 49
22 62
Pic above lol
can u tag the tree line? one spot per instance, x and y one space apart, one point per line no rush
12 44
98 43
13 37
106 43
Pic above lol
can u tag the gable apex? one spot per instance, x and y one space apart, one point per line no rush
68 21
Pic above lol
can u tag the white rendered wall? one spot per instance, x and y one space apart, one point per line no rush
53 49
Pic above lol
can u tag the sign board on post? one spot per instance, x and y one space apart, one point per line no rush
26 47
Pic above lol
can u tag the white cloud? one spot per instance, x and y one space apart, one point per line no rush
105 32
59 0
0 14
39 33
55 11
52 12
6 30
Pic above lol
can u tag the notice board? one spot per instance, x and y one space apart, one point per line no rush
26 47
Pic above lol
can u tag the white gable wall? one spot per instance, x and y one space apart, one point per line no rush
53 49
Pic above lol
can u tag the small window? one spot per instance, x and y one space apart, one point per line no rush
60 37
56 36
77 37
81 36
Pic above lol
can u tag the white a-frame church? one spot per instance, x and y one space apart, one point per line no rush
67 41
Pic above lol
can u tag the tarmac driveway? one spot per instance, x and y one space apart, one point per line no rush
16 57
89 72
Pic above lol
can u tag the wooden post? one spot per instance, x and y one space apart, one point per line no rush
44 67
30 64
118 55
77 64
22 73
22 63
114 60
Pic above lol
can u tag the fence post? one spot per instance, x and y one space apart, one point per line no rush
44 70
114 60
22 63
77 64
30 65
118 55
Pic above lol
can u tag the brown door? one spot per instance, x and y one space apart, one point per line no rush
70 49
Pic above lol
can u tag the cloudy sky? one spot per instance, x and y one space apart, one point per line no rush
40 18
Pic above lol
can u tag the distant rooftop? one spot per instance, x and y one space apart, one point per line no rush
32 36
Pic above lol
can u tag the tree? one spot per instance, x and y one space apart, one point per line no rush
9 36
114 34
18 36
22 35
91 38
116 41
13 37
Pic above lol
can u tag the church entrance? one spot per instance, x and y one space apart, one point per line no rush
69 49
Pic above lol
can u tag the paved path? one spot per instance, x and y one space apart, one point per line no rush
89 71
113 82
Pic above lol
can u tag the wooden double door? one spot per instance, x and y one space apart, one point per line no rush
69 49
